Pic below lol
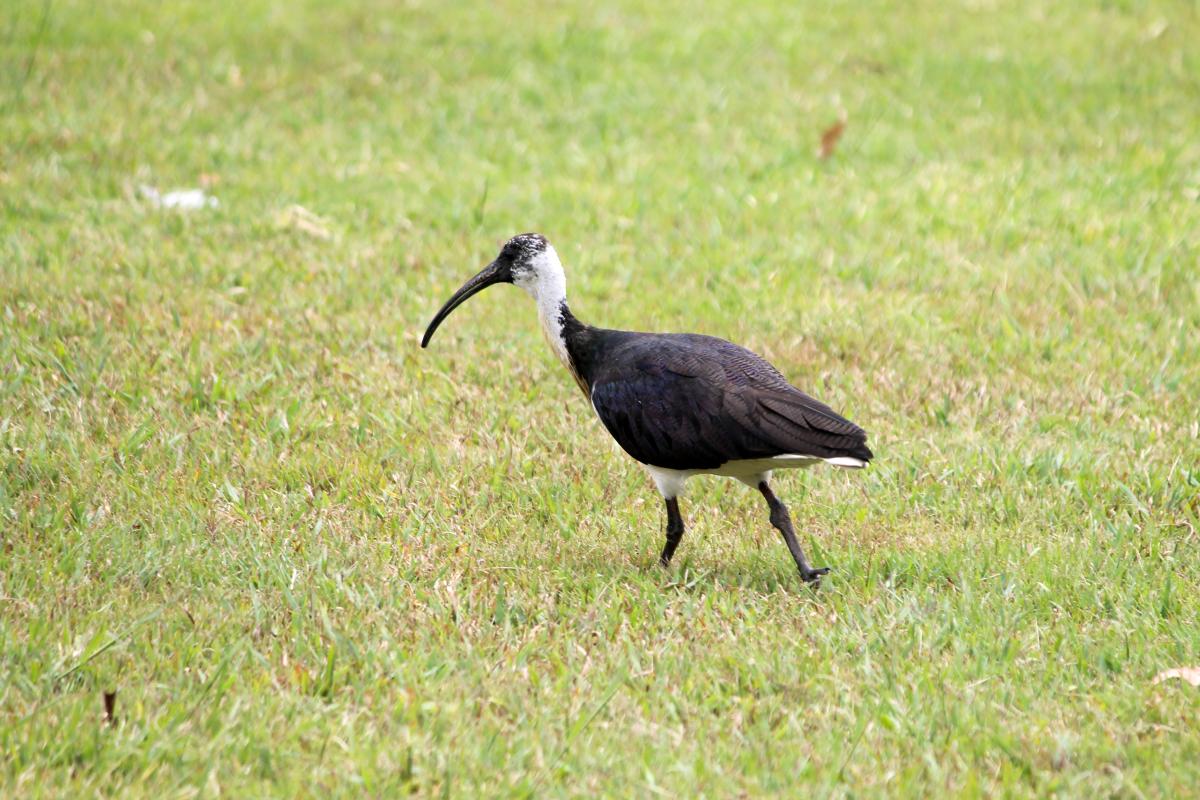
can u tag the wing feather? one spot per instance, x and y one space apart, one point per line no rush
696 402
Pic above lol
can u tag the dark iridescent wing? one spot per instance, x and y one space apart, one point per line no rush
695 402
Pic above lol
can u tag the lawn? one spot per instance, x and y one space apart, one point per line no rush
304 557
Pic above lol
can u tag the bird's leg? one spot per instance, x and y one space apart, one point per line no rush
674 530
781 520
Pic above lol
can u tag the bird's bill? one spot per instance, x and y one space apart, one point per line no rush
494 272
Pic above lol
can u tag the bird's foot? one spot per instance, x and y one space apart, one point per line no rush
813 575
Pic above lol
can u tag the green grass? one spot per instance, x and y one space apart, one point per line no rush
310 558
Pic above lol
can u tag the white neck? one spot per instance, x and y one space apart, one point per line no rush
546 283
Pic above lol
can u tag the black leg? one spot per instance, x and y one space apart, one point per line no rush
781 520
674 531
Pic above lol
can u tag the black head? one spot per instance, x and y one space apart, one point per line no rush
523 247
516 263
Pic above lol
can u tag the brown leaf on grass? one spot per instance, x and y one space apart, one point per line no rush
830 138
1189 674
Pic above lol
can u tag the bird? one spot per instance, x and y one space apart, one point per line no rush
681 404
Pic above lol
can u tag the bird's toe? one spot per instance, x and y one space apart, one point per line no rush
814 575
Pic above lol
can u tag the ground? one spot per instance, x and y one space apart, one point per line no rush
311 559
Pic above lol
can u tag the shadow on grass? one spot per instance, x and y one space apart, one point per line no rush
692 574
767 573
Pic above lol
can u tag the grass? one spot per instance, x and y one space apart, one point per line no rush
311 559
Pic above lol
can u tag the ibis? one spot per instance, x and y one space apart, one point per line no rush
681 404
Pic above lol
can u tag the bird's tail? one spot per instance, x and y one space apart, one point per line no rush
846 462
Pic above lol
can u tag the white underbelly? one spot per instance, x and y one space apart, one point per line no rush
749 471
757 466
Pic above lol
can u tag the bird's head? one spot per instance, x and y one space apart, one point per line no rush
527 260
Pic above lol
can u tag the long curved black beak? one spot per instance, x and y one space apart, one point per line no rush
494 272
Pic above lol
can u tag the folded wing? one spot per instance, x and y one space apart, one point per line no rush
696 402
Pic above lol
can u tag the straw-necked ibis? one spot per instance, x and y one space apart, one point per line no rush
681 404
